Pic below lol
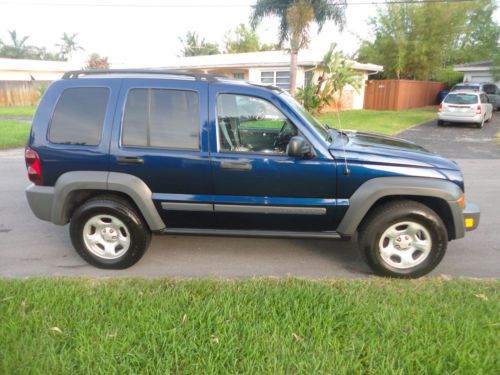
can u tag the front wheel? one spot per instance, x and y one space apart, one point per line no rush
108 232
403 239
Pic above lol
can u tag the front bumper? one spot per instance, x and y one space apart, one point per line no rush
471 216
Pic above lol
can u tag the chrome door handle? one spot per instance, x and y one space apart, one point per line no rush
236 165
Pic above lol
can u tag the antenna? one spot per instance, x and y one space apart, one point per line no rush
347 171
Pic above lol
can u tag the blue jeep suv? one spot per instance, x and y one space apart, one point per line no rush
122 154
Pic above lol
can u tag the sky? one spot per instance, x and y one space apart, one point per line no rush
142 33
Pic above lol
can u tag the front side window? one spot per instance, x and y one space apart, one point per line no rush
161 118
79 116
253 125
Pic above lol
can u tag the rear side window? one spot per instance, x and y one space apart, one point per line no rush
161 118
79 116
461 99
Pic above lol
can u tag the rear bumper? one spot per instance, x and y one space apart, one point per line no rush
471 216
40 200
466 119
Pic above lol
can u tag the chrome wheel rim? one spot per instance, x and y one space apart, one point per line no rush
106 236
405 245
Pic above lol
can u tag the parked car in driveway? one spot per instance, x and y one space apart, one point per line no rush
465 107
120 155
490 89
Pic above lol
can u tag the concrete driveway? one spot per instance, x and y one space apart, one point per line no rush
30 247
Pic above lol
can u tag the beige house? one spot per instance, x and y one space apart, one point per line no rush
33 70
272 67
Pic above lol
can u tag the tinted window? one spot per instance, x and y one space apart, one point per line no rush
79 116
490 89
162 119
465 87
250 124
461 99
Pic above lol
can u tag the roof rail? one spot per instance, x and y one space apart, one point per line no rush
74 74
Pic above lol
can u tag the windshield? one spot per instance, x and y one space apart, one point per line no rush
321 129
461 99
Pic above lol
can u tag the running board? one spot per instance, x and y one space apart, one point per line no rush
250 233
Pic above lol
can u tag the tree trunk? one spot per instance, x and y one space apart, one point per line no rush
293 70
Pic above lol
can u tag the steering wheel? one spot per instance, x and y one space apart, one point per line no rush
283 136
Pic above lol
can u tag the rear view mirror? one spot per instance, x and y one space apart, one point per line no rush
298 147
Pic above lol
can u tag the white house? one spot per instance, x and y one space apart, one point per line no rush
272 67
479 71
33 70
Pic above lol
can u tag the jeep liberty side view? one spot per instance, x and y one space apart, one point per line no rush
122 154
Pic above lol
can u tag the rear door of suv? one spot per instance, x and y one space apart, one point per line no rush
159 136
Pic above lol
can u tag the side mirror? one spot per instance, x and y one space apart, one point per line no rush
298 147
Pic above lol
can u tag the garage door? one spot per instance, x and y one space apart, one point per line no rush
481 78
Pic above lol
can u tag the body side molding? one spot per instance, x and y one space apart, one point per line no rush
51 203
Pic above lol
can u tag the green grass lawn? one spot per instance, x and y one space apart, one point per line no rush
13 133
23 111
263 326
384 122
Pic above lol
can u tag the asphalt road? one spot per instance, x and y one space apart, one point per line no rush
30 247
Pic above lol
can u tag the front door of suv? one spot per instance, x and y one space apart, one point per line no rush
159 136
256 184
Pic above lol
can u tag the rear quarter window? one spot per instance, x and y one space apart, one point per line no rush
79 116
461 99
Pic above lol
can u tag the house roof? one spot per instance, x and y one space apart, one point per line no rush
256 59
474 66
35 65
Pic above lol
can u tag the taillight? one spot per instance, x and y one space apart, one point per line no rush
34 166
478 109
440 108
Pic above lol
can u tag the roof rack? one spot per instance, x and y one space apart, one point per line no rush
75 74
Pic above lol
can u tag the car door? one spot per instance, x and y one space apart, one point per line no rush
160 136
493 94
256 184
488 107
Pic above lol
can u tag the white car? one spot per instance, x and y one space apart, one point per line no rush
465 107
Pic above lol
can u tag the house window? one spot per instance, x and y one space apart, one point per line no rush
308 76
277 78
239 75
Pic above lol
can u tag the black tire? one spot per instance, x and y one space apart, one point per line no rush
440 123
116 207
390 214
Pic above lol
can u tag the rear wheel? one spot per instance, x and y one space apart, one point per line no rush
403 239
440 123
108 232
480 124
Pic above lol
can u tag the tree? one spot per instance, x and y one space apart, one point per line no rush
17 49
419 40
495 68
96 61
192 45
68 45
337 73
296 17
242 39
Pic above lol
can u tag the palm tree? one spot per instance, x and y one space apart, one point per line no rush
296 16
68 45
18 49
337 73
